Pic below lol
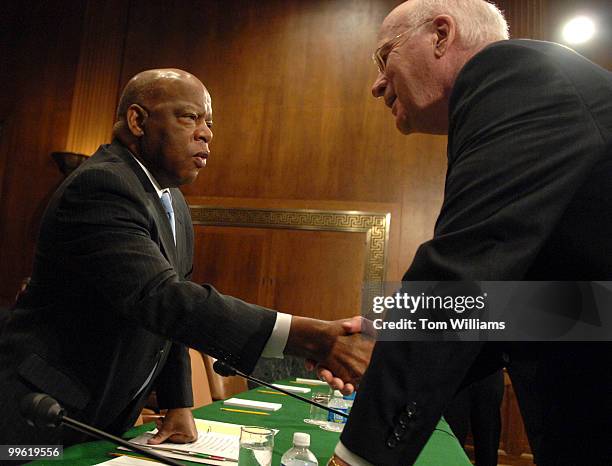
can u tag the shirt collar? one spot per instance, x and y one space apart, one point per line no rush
154 182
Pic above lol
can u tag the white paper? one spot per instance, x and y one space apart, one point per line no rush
292 389
263 405
211 443
310 381
126 461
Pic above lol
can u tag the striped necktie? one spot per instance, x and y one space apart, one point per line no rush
166 201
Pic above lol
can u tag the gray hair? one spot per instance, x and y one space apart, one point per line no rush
478 21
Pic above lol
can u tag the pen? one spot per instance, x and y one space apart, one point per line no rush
205 456
270 392
245 411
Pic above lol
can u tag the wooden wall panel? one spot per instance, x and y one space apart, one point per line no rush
97 81
294 117
234 260
60 88
290 82
290 79
310 273
318 274
44 40
527 18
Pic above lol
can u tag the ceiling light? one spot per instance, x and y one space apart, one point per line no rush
579 30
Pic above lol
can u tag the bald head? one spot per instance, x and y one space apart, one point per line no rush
152 86
164 118
422 46
479 22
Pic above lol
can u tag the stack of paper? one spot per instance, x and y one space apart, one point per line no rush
264 405
217 444
291 388
216 439
310 381
125 461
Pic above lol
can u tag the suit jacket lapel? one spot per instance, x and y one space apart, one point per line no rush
153 204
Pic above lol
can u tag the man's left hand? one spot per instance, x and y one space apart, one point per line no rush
177 426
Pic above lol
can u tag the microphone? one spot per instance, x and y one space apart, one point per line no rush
225 370
40 410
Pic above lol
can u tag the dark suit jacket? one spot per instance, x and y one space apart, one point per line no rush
528 196
110 298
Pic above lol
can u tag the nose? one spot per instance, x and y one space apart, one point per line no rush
204 133
379 86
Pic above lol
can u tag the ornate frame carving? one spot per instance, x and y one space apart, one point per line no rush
374 224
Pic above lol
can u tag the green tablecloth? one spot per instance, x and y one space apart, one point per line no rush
441 450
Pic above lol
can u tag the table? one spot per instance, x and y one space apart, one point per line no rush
441 449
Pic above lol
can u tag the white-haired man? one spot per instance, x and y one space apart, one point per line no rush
527 197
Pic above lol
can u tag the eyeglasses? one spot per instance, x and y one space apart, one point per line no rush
380 55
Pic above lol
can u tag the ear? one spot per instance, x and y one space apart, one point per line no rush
136 117
445 32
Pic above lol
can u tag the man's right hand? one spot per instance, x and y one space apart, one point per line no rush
341 354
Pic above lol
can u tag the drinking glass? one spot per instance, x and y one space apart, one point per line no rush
256 445
318 416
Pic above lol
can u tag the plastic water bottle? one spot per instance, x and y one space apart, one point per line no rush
335 422
299 455
350 399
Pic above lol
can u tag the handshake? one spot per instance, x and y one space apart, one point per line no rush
338 349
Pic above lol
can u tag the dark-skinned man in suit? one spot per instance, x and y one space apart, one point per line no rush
110 308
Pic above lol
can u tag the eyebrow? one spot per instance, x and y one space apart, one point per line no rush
193 108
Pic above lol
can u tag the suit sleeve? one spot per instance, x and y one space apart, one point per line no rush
173 385
520 145
105 226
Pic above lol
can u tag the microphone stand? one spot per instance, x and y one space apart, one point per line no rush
226 370
92 431
43 411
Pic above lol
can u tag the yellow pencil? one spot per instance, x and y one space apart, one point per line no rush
270 392
245 411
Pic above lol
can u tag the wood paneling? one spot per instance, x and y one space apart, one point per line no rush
44 40
234 260
295 126
310 273
290 82
318 274
314 270
290 86
97 81
394 270
527 18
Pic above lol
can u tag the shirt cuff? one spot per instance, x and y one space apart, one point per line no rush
275 346
350 457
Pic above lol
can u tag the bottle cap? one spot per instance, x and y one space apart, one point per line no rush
338 393
300 439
